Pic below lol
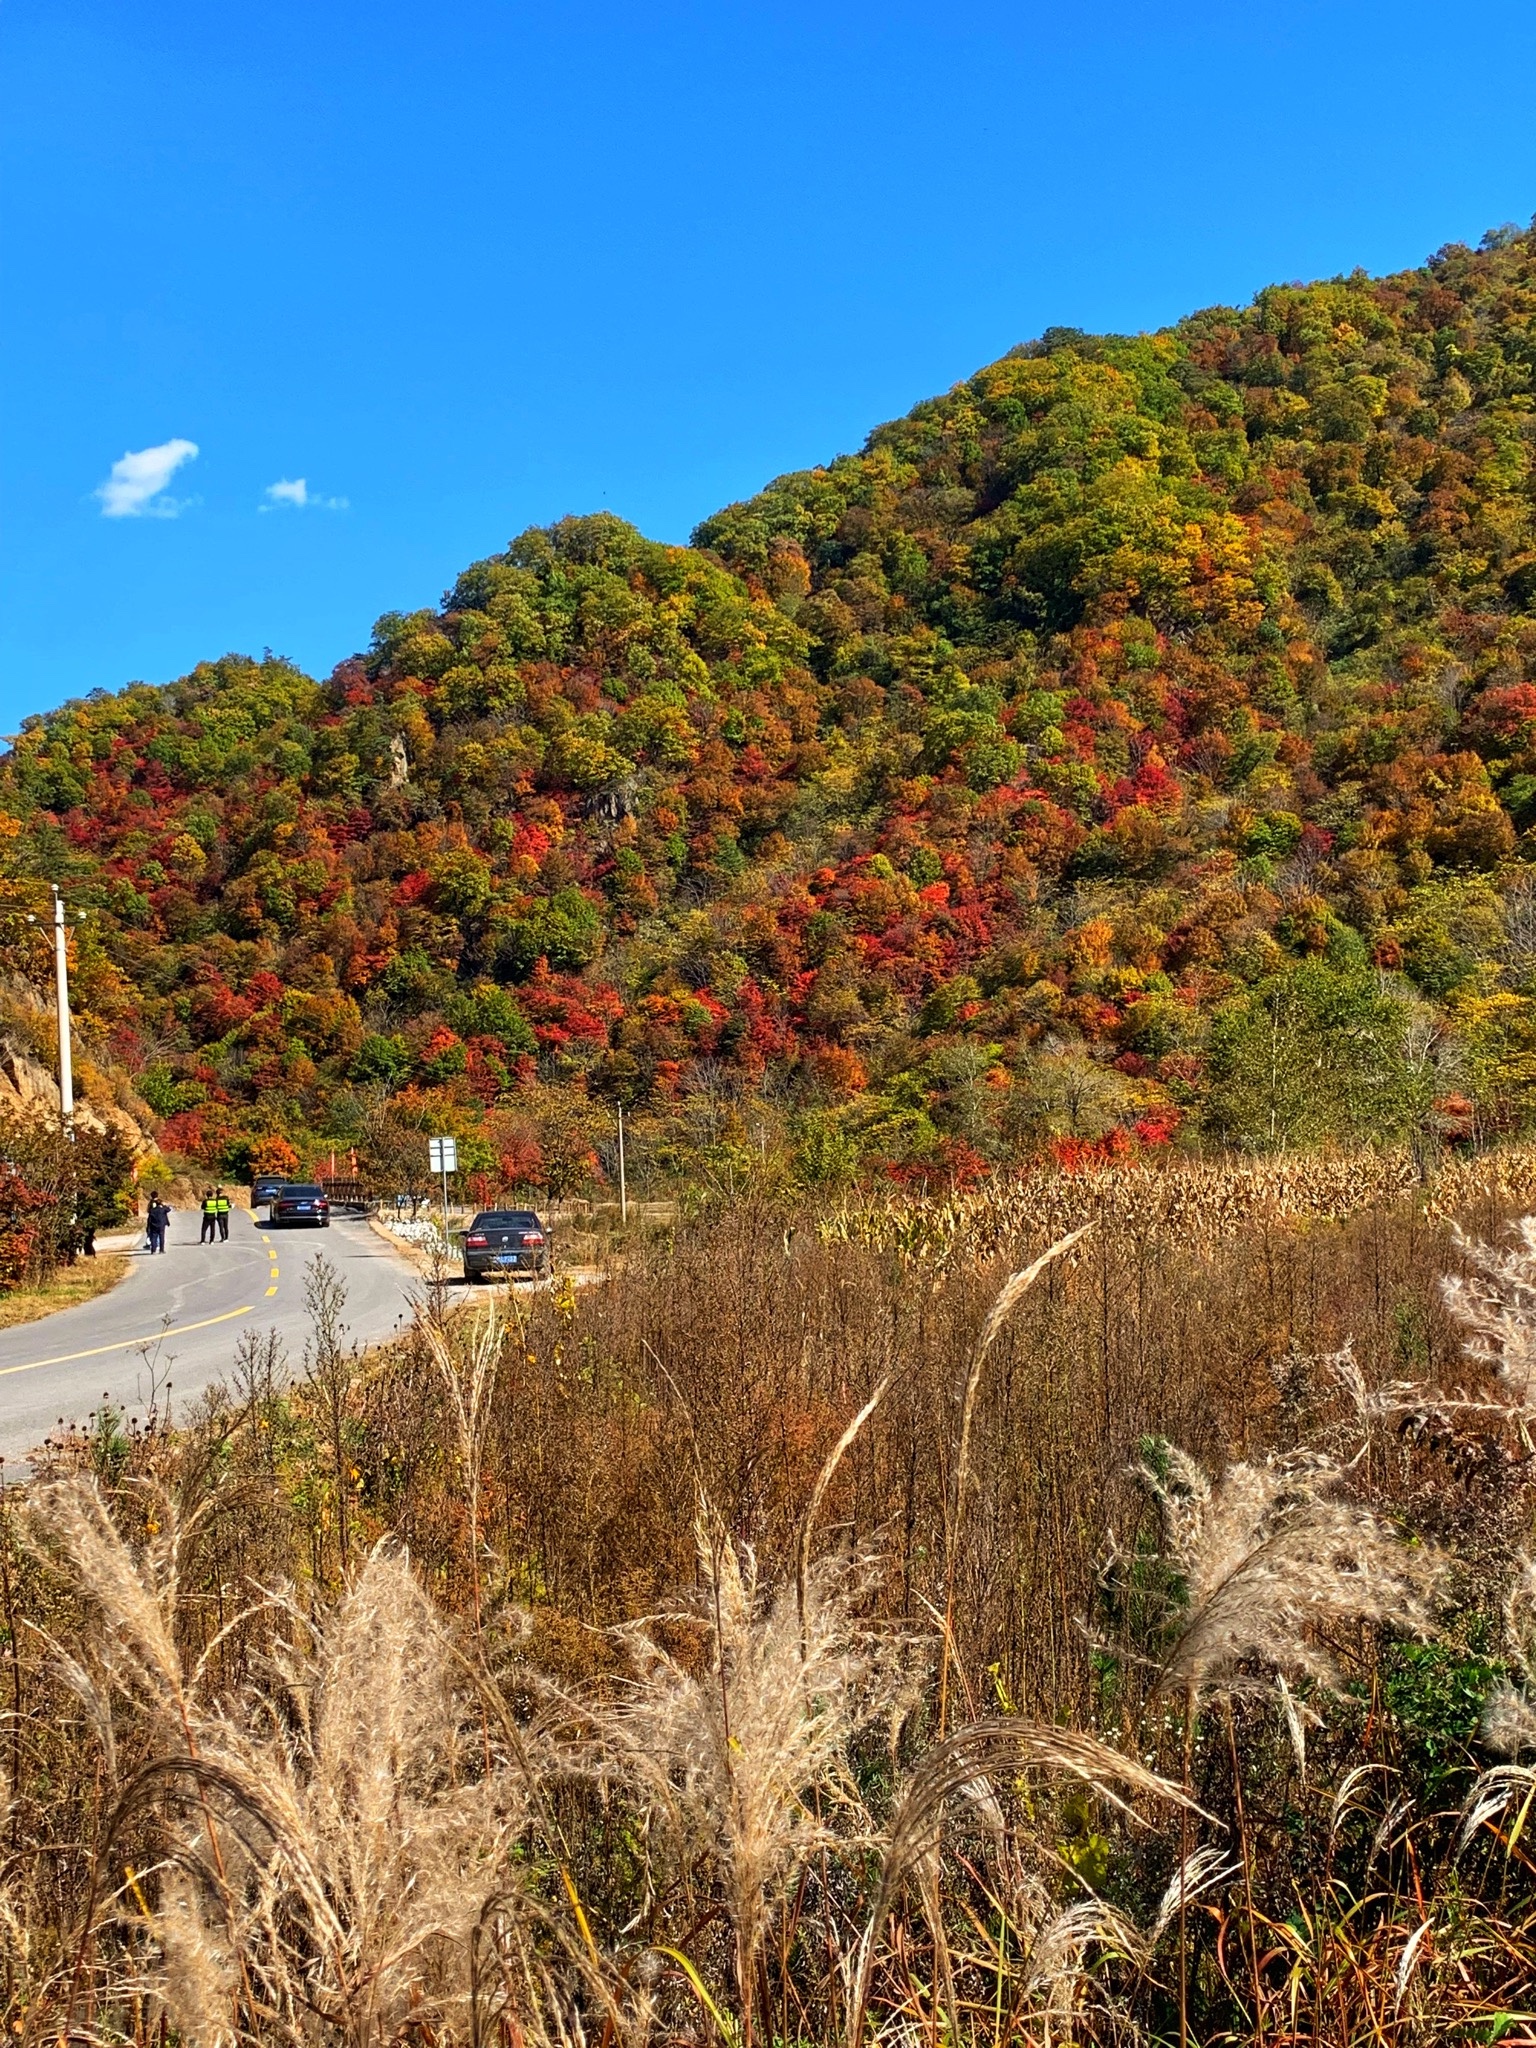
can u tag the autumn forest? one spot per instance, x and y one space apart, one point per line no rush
1131 751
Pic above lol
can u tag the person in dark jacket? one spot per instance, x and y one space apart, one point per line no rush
159 1218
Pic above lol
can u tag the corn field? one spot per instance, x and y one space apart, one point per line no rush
1194 1202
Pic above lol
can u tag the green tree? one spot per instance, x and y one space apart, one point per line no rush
383 1057
1312 1055
565 929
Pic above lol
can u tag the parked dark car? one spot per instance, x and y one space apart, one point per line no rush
301 1201
506 1241
264 1187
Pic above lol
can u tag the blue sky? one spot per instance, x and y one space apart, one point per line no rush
466 267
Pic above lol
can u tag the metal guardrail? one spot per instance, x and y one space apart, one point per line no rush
347 1198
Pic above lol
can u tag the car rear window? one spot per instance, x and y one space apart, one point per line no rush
505 1219
299 1187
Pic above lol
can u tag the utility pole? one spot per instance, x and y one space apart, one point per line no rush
623 1187
61 972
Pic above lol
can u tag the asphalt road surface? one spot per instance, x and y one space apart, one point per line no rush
179 1317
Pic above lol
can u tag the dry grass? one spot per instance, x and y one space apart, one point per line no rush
573 1675
65 1287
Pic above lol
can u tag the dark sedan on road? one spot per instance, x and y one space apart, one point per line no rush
301 1201
506 1242
264 1187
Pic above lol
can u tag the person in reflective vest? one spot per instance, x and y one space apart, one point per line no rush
210 1219
221 1211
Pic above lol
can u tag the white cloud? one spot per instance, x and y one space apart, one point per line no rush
294 491
134 488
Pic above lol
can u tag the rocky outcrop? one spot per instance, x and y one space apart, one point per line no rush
28 1089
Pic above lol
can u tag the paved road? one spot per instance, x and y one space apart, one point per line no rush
188 1309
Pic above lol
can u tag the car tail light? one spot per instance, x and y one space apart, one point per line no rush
533 1237
477 1240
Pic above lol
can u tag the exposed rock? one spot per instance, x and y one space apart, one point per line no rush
29 1090
614 802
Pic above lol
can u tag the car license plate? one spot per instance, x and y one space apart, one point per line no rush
508 1258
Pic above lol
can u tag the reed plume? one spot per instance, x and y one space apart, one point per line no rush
965 1764
134 1599
1270 1558
372 1832
1009 1295
1509 1712
330 1850
1058 1960
1496 1305
743 1764
467 1353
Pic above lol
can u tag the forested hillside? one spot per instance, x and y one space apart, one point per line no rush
1133 748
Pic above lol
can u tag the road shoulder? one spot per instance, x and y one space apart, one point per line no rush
409 1254
66 1287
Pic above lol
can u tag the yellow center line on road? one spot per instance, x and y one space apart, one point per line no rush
128 1343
